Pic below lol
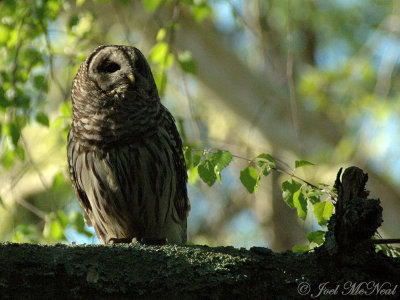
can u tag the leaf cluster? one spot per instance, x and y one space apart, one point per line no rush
299 196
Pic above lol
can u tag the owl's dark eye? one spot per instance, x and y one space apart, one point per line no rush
108 67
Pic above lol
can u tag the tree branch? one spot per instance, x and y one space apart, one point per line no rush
172 272
200 272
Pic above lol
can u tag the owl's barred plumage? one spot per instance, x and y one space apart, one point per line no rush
124 151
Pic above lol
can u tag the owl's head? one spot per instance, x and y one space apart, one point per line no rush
115 68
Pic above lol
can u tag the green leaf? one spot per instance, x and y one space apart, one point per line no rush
62 217
266 170
323 211
193 176
75 220
12 130
151 5
30 57
53 9
65 131
66 109
299 249
188 157
161 81
26 233
159 52
73 21
56 230
20 152
302 163
196 158
317 237
58 182
186 62
290 187
162 32
267 163
40 83
181 129
268 157
83 26
4 102
261 163
300 204
22 101
250 179
54 227
7 160
169 61
4 34
21 121
79 2
221 160
206 171
200 12
314 196
1 202
42 118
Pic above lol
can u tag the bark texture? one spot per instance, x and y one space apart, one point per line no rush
169 272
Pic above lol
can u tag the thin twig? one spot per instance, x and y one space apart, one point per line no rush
190 100
297 177
31 208
241 18
18 46
206 151
51 60
34 166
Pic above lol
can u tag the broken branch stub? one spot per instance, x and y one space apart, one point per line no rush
356 217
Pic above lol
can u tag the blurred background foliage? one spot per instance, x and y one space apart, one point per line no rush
311 79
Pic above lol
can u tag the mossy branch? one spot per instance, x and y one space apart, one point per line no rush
121 271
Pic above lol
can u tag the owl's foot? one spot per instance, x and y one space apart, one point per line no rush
146 241
112 241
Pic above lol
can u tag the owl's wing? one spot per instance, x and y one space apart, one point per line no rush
72 153
181 201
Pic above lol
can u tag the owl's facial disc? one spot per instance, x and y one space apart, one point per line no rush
110 69
108 66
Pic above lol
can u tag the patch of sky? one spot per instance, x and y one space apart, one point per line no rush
386 49
223 16
330 55
379 143
199 208
73 236
245 231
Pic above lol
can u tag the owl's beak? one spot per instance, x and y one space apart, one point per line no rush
131 78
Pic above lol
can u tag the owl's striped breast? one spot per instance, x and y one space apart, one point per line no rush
131 189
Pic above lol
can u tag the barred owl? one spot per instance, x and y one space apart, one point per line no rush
124 151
